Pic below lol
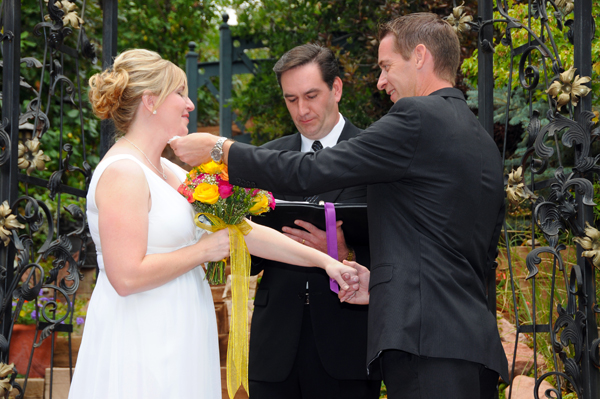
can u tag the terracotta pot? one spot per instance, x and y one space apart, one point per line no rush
21 344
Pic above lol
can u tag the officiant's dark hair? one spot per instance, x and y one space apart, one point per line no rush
306 54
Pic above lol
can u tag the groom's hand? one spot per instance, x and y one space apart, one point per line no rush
194 149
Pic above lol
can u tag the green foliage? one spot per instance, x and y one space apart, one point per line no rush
167 27
597 202
349 28
564 51
520 103
208 108
520 106
269 116
164 26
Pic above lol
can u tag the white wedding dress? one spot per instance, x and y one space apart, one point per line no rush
160 343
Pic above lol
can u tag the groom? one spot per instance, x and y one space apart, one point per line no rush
435 204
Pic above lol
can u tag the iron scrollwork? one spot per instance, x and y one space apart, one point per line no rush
31 281
55 179
5 143
46 263
557 200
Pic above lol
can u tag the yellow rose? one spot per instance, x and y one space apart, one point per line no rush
207 193
261 205
212 168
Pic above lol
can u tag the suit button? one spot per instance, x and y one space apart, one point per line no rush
303 296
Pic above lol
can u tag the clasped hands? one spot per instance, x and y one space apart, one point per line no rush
357 293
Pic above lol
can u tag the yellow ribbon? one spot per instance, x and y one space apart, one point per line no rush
237 348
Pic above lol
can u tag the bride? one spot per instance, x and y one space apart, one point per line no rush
151 329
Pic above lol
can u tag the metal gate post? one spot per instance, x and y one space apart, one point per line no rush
109 51
225 77
191 71
9 185
582 51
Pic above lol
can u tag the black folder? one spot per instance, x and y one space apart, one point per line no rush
356 229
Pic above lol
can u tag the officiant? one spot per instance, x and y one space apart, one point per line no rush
300 330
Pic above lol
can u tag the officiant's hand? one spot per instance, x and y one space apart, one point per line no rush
360 296
194 149
316 238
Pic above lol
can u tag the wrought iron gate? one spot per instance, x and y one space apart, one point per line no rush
561 203
42 220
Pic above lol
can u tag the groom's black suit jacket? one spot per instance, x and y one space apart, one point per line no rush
279 303
435 206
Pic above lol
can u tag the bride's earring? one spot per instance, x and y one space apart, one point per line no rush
154 112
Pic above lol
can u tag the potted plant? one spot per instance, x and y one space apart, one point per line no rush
25 328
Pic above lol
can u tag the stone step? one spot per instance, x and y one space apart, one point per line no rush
61 382
33 390
39 388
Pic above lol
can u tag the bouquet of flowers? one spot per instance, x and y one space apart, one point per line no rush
220 205
207 188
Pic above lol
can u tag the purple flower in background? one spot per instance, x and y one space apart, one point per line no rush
14 303
80 320
33 314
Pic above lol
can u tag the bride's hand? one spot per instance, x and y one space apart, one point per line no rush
346 276
215 245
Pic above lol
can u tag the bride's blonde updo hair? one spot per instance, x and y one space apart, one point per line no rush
116 93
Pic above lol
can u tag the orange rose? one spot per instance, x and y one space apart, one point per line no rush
224 174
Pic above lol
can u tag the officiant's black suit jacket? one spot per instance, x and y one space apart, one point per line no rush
279 303
435 207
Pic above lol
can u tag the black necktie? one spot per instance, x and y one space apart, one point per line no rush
316 146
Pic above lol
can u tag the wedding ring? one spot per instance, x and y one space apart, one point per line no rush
303 241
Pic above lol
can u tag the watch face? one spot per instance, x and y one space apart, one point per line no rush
215 154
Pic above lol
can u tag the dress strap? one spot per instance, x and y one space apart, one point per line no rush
105 163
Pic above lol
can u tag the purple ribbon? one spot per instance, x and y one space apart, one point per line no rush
331 233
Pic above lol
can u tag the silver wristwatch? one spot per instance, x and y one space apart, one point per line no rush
217 152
